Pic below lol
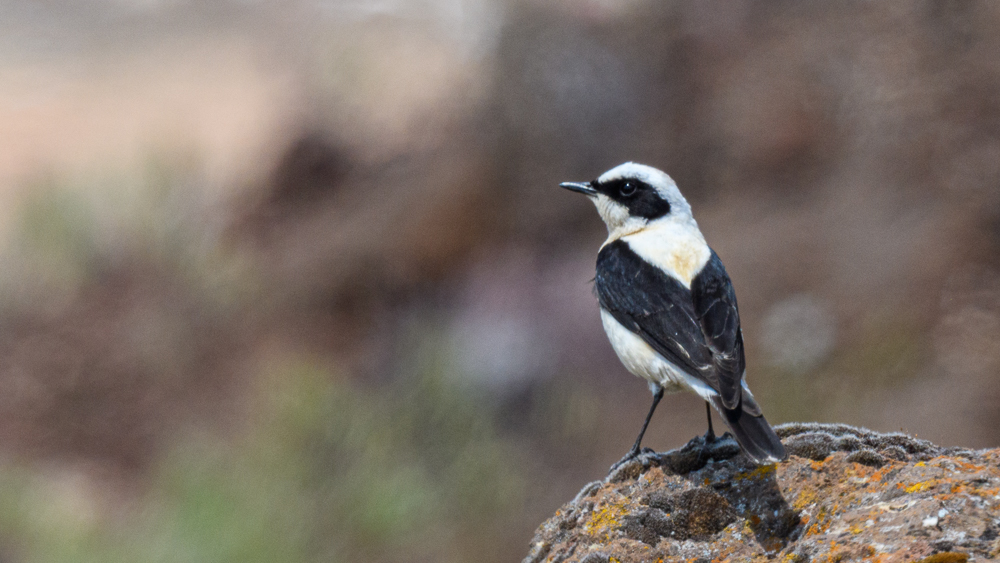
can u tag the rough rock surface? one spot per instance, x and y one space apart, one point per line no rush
845 494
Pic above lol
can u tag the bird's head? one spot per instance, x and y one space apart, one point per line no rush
630 197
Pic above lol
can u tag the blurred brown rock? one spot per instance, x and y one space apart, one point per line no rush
845 494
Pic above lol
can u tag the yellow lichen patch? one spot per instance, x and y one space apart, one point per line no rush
606 518
917 487
760 473
806 498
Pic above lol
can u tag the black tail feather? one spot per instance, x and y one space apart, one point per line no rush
754 434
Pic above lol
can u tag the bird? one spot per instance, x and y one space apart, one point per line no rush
668 306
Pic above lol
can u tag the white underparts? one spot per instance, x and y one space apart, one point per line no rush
642 360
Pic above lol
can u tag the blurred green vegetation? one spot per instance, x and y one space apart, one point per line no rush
325 471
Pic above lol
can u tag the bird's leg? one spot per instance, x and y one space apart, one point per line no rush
710 435
656 400
635 451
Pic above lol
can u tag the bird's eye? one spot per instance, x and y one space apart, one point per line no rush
627 189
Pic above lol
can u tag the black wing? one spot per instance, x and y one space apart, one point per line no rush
719 318
697 329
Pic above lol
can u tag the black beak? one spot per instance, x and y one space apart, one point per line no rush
582 187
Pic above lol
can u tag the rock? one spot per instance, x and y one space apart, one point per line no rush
844 494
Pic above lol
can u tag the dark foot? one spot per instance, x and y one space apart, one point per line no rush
703 451
705 445
707 440
716 447
632 454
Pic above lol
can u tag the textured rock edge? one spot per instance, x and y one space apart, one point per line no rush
779 528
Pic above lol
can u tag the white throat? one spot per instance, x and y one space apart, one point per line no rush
616 217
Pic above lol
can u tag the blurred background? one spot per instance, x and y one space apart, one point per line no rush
294 281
